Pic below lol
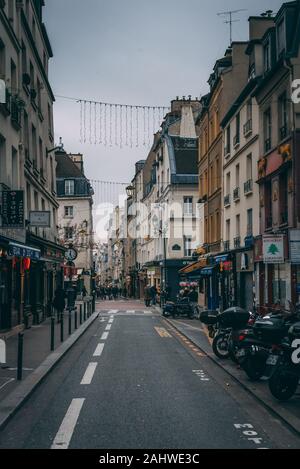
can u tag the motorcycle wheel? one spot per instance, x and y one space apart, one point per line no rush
220 346
283 385
254 368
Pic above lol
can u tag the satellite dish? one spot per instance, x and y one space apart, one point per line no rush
2 92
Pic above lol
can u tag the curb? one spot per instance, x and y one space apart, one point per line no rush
287 418
11 404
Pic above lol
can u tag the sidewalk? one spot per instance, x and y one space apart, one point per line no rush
288 412
36 348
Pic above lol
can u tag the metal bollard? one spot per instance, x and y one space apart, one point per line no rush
62 327
20 356
76 317
84 304
52 333
70 322
80 314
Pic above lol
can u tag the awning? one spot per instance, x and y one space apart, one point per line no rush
20 250
222 258
207 272
200 264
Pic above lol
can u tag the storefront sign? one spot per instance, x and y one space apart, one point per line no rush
295 246
12 209
273 249
40 219
18 250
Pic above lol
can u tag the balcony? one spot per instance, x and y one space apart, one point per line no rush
236 194
267 145
237 242
227 201
236 141
226 246
248 128
227 151
283 132
248 187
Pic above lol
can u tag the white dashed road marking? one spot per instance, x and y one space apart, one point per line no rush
89 374
99 350
108 327
104 336
66 430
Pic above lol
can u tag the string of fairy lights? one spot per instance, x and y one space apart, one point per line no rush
119 125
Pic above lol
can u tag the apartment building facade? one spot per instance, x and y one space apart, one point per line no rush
31 257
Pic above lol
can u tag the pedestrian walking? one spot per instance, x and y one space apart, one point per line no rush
59 302
193 297
153 291
147 296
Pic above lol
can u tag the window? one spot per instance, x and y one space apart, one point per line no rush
187 246
283 197
249 110
69 232
249 167
228 188
24 58
267 57
69 187
217 176
26 135
281 37
228 230
2 60
34 146
283 116
228 141
13 77
238 225
268 129
69 212
36 200
237 175
237 129
250 222
188 205
15 169
28 198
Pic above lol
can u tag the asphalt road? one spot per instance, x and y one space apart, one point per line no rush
132 382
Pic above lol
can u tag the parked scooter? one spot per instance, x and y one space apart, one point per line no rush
182 307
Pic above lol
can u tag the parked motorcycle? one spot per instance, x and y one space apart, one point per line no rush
182 307
255 346
284 379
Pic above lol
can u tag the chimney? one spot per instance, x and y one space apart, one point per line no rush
78 161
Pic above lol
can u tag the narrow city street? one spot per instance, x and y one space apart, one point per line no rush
131 381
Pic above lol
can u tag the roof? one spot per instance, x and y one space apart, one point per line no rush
66 168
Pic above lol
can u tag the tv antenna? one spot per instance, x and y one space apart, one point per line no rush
230 20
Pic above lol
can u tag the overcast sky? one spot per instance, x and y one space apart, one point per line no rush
134 52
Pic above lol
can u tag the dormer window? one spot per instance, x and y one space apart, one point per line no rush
69 187
281 42
267 57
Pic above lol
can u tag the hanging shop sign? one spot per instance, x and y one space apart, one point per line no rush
39 219
273 249
19 250
12 209
295 246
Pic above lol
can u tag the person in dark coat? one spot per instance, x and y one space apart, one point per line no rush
147 296
59 302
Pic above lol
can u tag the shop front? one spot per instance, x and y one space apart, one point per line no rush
226 280
245 279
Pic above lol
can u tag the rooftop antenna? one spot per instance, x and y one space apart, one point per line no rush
230 20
